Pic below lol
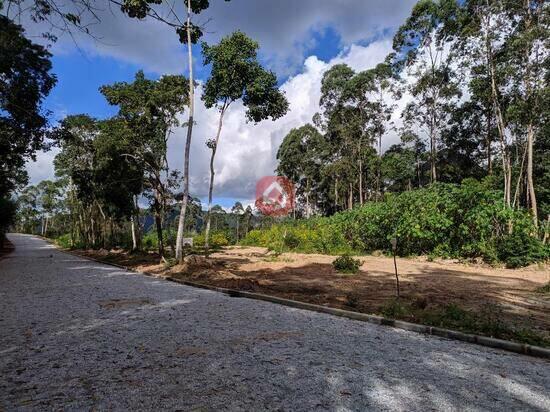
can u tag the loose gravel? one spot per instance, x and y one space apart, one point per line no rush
75 334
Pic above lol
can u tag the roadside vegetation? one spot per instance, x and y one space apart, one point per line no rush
467 221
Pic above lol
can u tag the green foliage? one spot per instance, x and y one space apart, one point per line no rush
311 236
25 80
444 220
7 215
236 74
346 264
521 249
395 309
64 241
216 240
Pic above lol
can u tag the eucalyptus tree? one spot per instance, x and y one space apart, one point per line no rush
150 108
237 210
485 31
505 44
301 159
49 203
529 60
236 75
376 90
355 114
343 125
192 35
28 215
422 44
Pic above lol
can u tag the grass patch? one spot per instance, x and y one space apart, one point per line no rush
486 322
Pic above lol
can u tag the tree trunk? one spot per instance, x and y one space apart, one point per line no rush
212 173
520 177
350 199
530 184
432 155
134 235
361 182
181 222
379 169
488 145
501 127
158 224
137 223
336 194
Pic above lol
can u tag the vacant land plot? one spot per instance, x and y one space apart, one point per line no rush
506 303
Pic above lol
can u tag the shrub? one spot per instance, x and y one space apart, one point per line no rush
346 264
216 240
468 220
64 241
521 249
394 309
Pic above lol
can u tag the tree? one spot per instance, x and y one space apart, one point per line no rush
300 159
8 212
422 44
237 210
149 109
48 202
377 93
192 35
529 56
485 32
102 180
25 80
237 75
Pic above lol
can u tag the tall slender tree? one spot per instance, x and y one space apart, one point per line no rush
237 75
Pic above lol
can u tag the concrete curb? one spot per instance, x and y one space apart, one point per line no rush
506 345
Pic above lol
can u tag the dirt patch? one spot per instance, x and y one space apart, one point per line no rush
510 295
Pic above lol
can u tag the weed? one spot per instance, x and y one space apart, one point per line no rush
352 300
395 309
346 264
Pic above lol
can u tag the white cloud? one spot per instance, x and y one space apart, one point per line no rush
247 151
284 28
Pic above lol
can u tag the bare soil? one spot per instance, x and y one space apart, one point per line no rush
425 286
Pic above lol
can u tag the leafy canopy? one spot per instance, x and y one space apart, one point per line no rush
237 74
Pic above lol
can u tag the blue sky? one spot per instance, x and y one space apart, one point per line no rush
80 75
298 41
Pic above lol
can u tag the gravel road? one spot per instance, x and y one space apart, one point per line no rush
75 334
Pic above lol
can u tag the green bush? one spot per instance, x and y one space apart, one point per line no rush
468 220
64 241
521 249
346 264
216 240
